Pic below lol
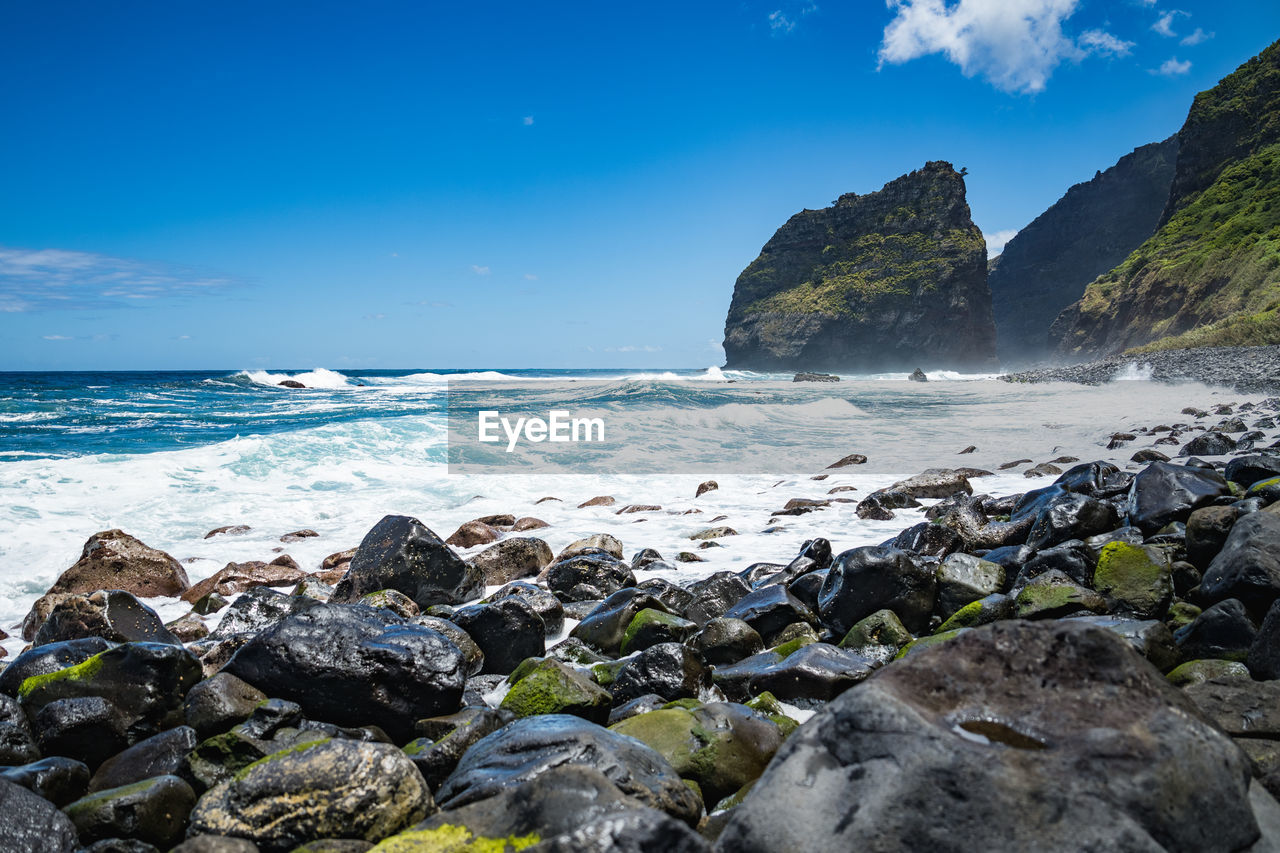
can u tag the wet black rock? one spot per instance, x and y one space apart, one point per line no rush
58 780
158 755
1247 470
974 737
216 704
714 595
1223 631
605 626
543 603
530 747
769 609
1071 516
512 559
1073 558
816 673
114 615
864 580
17 741
1163 492
32 824
507 631
723 641
928 540
258 608
446 739
356 666
154 811
47 659
1207 531
403 554
1264 654
590 575
1208 444
670 670
124 694
1248 566
573 809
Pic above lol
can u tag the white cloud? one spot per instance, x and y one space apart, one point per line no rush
1100 42
53 279
1195 38
1172 67
58 338
633 348
528 121
779 23
1014 44
1164 23
530 277
479 270
997 240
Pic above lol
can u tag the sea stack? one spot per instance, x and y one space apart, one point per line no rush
876 282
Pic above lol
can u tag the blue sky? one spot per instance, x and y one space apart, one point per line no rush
384 184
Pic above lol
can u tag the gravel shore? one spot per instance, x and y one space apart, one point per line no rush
1254 369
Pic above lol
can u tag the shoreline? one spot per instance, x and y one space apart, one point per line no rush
1087 571
1243 369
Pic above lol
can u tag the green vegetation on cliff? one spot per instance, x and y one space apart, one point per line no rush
1210 275
887 280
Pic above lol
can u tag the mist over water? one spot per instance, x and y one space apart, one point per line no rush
170 456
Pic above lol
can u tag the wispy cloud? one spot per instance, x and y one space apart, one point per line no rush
96 338
479 270
633 348
997 240
1104 43
530 277
58 338
58 279
782 22
1172 67
1164 23
1196 37
1013 44
528 121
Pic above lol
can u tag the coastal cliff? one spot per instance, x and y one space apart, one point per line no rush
883 281
1086 233
1210 274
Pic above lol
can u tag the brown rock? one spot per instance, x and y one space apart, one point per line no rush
1014 464
290 383
970 449
602 541
528 523
548 498
703 488
298 535
838 489
504 520
630 508
113 559
512 559
851 459
189 628
229 530
335 560
235 578
800 506
598 500
40 611
473 533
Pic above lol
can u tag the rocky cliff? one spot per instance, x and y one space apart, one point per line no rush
1086 233
1210 275
884 281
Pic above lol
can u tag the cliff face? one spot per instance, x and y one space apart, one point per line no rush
1210 274
1086 233
884 281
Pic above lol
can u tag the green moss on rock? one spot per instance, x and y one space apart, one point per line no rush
553 687
1139 579
453 839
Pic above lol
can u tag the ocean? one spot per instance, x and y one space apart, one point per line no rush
169 456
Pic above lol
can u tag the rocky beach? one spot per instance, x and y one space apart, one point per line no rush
1249 369
1089 662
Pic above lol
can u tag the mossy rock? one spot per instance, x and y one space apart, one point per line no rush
452 839
721 746
794 645
878 636
1199 671
927 642
553 687
1181 614
984 611
1268 490
1050 597
153 811
650 627
767 704
606 673
734 799
1139 579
